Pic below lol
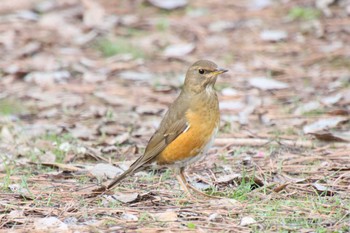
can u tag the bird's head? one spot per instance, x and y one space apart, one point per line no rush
202 76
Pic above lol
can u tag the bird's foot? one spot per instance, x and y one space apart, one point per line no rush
201 192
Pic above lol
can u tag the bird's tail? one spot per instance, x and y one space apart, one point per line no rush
121 177
137 166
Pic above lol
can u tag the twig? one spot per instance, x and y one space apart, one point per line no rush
261 142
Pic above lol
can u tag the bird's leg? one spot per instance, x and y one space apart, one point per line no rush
182 175
183 182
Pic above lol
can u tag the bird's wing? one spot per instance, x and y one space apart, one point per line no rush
173 124
160 139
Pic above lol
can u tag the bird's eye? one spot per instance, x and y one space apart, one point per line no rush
201 71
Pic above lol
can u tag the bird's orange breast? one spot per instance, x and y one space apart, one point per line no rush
202 125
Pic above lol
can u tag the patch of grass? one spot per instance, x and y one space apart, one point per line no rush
134 32
110 204
291 131
49 200
6 180
304 13
85 180
277 133
145 217
274 149
58 140
191 225
240 150
24 183
340 62
307 212
10 107
162 24
166 175
226 128
241 192
315 112
110 115
223 157
33 155
345 83
110 222
195 12
11 169
109 47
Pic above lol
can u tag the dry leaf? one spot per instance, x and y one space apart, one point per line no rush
339 112
229 178
136 76
50 224
168 216
57 23
280 187
178 50
333 136
273 35
122 138
229 92
227 203
324 124
148 109
30 49
333 99
49 113
264 83
102 170
112 128
200 185
6 135
222 25
168 4
231 105
259 4
45 79
308 107
324 6
322 190
71 100
109 149
16 214
8 6
22 192
129 217
93 13
63 167
215 217
245 221
126 197
90 77
112 99
82 132
48 157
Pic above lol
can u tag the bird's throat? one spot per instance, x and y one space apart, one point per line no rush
209 89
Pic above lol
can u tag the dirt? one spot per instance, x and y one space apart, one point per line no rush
85 83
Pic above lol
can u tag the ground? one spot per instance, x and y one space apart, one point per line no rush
84 84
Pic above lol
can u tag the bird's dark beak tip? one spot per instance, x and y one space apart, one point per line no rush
222 70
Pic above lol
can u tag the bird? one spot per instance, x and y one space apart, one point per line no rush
187 129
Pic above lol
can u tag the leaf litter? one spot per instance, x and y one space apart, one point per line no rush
71 118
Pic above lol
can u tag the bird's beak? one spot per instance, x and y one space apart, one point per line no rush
218 71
